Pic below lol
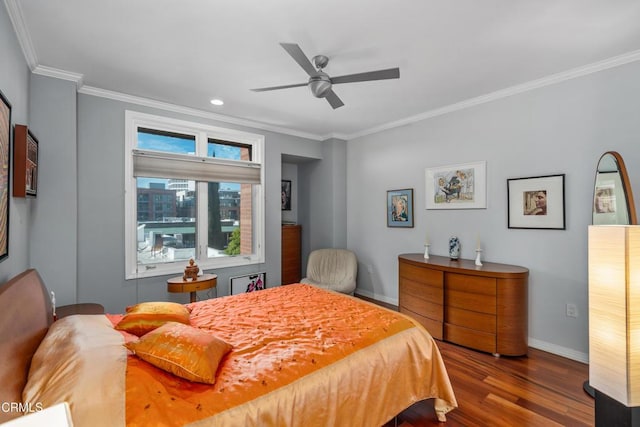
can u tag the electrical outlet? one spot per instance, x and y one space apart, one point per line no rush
572 310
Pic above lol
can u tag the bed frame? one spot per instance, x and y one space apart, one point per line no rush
25 316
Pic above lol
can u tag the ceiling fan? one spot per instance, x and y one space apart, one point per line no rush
320 83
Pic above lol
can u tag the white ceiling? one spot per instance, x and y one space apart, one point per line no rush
450 52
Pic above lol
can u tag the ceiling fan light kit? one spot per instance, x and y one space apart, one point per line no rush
320 84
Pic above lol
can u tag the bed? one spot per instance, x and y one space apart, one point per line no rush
300 356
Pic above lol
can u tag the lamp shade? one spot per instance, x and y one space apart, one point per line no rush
614 311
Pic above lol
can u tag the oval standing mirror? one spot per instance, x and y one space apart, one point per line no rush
612 201
612 197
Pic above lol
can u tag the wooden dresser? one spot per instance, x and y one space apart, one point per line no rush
291 259
484 308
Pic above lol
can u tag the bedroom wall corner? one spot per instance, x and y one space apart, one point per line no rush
14 84
323 200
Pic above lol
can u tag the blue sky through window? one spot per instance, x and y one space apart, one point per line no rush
183 145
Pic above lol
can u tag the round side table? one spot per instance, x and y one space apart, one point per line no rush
179 285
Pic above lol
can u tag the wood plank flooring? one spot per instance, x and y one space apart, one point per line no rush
541 389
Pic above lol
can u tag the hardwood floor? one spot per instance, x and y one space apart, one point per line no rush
541 389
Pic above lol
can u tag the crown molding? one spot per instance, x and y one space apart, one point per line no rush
574 73
59 74
17 20
117 96
335 135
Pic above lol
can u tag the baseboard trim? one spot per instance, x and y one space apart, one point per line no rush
376 297
569 353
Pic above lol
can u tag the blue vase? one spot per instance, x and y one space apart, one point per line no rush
454 248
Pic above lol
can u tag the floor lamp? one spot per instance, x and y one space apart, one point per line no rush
614 323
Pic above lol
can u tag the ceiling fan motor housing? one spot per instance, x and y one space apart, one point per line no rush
320 84
320 61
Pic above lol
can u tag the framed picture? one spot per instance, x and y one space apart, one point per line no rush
462 186
286 195
400 208
248 283
25 162
536 202
5 138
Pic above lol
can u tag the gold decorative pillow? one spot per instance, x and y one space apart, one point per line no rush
147 316
185 351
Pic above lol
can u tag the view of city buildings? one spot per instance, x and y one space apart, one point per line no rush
167 219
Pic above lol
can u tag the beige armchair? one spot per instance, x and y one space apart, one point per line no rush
334 269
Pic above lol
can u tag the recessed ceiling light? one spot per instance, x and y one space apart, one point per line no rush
216 101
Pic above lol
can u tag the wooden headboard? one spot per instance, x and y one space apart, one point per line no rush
25 317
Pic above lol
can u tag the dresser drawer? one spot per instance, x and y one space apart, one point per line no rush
423 307
478 340
472 302
471 284
421 275
433 326
471 319
420 290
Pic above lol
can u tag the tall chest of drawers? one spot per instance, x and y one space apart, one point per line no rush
291 257
481 307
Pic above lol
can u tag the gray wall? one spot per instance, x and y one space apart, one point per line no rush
323 219
14 84
53 234
558 129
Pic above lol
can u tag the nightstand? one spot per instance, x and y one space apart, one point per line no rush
178 284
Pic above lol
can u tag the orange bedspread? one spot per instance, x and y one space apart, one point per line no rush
302 356
279 336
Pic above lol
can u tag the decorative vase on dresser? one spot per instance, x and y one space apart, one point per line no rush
480 307
454 248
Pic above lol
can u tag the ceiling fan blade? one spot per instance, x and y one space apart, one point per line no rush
298 55
391 73
333 99
264 89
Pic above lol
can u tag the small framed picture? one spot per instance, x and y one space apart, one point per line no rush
248 283
536 202
400 208
286 195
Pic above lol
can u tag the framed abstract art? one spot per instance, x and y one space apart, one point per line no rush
5 162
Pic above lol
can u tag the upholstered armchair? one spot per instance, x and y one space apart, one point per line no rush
334 269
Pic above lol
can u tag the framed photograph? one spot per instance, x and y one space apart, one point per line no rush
286 195
400 208
248 283
536 202
5 162
462 186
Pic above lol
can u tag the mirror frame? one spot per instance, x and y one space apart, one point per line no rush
626 184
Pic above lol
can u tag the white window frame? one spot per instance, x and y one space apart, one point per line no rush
135 120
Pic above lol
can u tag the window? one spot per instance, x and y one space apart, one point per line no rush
192 191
